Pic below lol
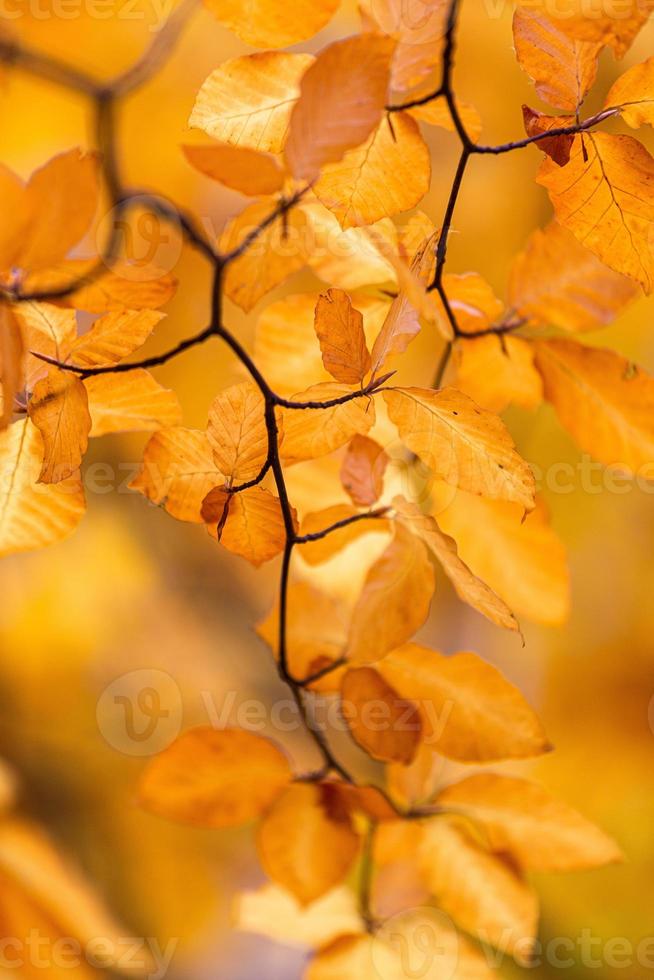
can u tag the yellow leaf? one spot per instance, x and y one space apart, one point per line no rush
125 285
464 445
237 432
497 371
113 337
254 528
389 173
60 201
634 93
362 471
523 819
605 403
348 259
387 726
130 402
248 101
418 26
615 23
316 552
212 778
416 783
275 913
436 113
239 167
605 197
339 328
481 892
59 409
31 515
277 252
472 301
306 842
562 68
12 362
178 471
470 711
286 349
524 562
47 330
395 599
273 23
309 650
312 432
342 97
468 587
558 282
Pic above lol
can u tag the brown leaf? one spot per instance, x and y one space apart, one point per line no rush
339 328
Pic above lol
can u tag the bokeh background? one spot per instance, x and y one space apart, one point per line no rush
133 590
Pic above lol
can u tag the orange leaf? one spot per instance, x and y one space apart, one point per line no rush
130 402
247 171
362 471
380 721
237 432
339 328
178 471
59 410
272 23
254 528
312 432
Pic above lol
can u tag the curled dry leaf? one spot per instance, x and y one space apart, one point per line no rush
212 778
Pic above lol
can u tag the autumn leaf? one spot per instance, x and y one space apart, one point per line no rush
472 301
342 97
415 783
387 174
362 470
468 587
562 68
470 711
33 516
605 197
247 101
395 599
604 402
463 444
276 913
350 258
112 338
321 550
312 432
178 471
557 148
271 23
125 286
380 721
266 261
12 357
46 330
130 402
480 891
59 410
237 432
497 371
522 560
634 94
238 167
436 112
306 842
556 281
339 328
417 26
521 818
254 528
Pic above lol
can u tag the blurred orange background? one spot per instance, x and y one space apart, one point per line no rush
133 590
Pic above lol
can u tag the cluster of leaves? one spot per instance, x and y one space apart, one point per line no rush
329 147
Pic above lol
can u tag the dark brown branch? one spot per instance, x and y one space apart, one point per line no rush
580 127
369 389
319 535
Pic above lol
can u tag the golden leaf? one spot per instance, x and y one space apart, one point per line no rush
47 330
523 819
212 778
238 167
178 471
248 101
12 362
387 174
418 26
634 93
436 113
254 527
272 23
342 97
124 285
339 328
312 432
113 337
237 432
605 197
558 282
562 68
31 515
497 371
306 842
273 912
59 409
387 726
316 552
395 599
463 444
605 403
472 301
470 711
130 402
